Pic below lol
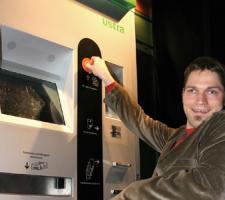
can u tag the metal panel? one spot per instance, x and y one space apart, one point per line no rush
35 185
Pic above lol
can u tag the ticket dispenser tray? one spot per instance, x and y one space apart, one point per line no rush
35 185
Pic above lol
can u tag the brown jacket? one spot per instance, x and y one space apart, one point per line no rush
195 170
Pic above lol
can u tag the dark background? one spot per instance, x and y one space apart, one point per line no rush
182 31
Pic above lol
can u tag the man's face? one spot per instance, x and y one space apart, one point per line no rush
202 95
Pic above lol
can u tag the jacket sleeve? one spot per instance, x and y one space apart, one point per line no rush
153 132
205 181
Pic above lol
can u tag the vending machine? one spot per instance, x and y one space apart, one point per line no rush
58 140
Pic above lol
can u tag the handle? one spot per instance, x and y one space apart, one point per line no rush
119 164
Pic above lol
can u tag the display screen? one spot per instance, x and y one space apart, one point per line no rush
28 97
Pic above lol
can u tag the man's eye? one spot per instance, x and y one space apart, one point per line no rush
212 92
191 91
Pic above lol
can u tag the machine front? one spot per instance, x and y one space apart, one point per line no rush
58 139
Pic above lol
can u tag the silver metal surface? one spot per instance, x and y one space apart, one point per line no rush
35 185
119 164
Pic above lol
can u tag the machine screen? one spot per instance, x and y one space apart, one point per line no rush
28 97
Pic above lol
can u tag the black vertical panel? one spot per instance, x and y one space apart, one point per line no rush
89 158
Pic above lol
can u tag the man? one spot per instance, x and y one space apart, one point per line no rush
191 165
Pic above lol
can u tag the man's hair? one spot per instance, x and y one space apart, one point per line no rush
205 63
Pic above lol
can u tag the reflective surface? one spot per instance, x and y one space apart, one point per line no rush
28 97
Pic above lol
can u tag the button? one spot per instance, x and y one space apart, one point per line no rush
84 63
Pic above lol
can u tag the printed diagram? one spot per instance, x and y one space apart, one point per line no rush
90 125
91 167
95 82
92 80
39 165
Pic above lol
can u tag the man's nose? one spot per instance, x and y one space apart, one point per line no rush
202 98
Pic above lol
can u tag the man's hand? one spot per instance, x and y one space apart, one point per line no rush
98 67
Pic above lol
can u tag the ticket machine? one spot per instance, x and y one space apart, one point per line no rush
58 139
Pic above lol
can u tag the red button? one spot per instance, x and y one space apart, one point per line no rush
84 64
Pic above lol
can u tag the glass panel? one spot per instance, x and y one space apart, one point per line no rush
28 97
128 4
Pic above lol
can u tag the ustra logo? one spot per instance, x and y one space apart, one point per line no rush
115 26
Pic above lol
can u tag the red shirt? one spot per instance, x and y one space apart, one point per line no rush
188 132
